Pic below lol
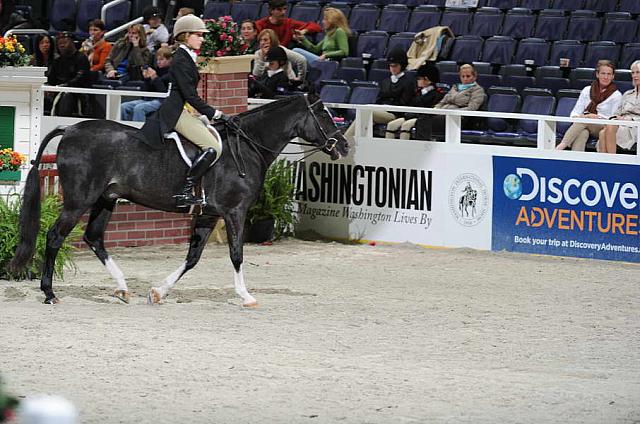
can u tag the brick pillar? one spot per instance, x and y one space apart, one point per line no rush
223 83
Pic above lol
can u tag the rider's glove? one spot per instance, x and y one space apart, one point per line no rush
221 117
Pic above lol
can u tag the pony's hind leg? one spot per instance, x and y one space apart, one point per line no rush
94 237
55 237
235 232
200 234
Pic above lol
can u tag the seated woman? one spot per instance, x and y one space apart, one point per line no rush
427 95
128 56
43 56
629 110
96 47
249 35
267 39
274 80
334 45
466 95
397 90
599 100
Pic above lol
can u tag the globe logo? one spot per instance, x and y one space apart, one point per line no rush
512 186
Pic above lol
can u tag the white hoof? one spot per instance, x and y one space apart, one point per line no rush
154 297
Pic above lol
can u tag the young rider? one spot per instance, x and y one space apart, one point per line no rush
187 32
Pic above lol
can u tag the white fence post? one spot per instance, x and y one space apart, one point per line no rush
453 127
546 134
364 123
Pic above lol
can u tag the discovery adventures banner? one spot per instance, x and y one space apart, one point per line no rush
568 208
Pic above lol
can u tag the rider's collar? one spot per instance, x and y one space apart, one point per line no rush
396 78
193 54
271 73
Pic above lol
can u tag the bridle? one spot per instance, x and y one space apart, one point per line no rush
330 140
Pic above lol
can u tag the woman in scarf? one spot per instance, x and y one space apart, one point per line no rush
600 100
619 135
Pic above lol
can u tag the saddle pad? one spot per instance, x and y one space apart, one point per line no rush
176 138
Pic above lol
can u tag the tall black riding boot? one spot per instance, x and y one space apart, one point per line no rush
197 171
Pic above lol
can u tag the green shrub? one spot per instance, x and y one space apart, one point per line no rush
9 235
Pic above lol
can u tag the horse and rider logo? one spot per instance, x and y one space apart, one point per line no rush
468 200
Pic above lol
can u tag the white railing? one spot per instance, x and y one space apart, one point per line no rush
103 16
31 31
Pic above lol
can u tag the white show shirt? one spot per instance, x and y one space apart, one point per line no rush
606 109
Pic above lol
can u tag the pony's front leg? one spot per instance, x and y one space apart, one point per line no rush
199 236
235 233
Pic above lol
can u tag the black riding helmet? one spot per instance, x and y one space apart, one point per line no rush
276 53
151 12
398 55
429 72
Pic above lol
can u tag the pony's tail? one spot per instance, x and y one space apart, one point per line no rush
30 211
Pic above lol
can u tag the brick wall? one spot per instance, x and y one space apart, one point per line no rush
227 92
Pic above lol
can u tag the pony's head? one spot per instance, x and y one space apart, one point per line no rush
319 129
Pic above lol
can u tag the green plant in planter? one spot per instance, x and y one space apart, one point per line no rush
9 233
276 200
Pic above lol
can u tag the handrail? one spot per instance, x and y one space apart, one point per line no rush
122 27
105 7
103 16
26 31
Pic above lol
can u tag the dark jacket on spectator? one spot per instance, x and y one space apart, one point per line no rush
425 100
400 93
72 70
267 87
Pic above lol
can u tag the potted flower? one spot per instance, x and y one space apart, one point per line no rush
12 53
10 163
272 216
223 49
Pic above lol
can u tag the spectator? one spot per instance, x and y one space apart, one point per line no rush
284 27
427 95
274 79
155 80
599 100
629 110
6 10
335 44
268 39
183 11
96 47
249 35
69 69
397 90
154 29
466 95
43 56
128 56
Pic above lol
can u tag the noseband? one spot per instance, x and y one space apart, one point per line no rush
330 140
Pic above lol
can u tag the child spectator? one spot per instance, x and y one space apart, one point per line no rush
335 44
249 35
274 80
155 80
154 29
427 95
96 47
268 39
43 56
128 56
284 27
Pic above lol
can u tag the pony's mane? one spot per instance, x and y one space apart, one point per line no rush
250 115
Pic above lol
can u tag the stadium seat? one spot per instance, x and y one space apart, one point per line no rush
423 17
466 49
458 19
62 15
619 27
352 62
630 53
498 102
449 78
624 86
564 108
379 3
87 10
351 74
362 95
439 3
334 93
487 80
570 49
601 5
364 17
553 83
568 4
513 69
519 82
372 43
321 70
581 77
551 71
447 66
487 21
117 15
498 50
502 4
402 40
536 102
518 23
631 6
623 75
535 5
483 68
599 50
379 70
246 9
305 11
532 49
344 7
215 9
551 25
409 3
584 25
394 18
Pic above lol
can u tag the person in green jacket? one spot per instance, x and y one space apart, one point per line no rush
335 44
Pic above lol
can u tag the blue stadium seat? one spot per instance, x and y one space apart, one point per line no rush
449 78
553 83
344 7
498 50
62 15
624 86
502 102
447 66
364 17
322 70
551 25
246 9
334 93
373 43
550 71
379 70
630 53
409 3
619 27
483 68
623 75
87 10
564 108
117 15
581 77
519 82
423 17
568 4
305 11
402 40
466 49
535 49
394 18
513 69
584 25
352 62
502 4
518 23
487 21
215 9
458 19
535 4
599 50
536 102
601 5
439 3
487 80
362 95
351 74
631 6
570 49
379 3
